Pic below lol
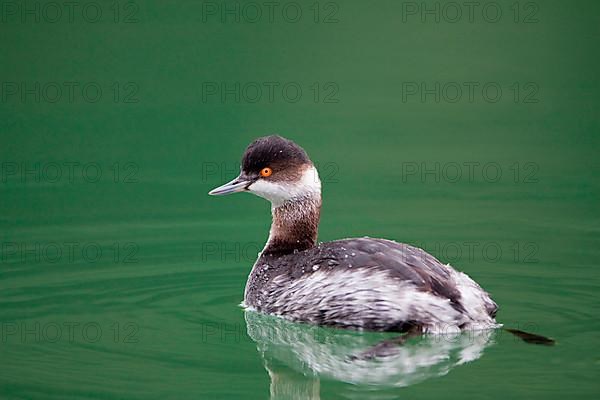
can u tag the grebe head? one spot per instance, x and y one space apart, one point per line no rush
276 169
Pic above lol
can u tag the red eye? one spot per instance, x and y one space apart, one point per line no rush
265 172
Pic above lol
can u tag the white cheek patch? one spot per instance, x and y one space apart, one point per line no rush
277 193
280 192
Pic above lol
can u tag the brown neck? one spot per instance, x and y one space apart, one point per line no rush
295 225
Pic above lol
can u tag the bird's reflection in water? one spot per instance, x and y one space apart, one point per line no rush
297 356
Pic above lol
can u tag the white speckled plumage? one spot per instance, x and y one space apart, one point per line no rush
367 298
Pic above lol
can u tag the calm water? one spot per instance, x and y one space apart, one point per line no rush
120 277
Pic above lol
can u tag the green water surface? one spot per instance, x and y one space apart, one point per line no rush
475 137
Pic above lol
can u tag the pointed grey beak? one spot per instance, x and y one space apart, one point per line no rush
239 184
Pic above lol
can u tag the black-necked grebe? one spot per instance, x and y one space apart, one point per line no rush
361 283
